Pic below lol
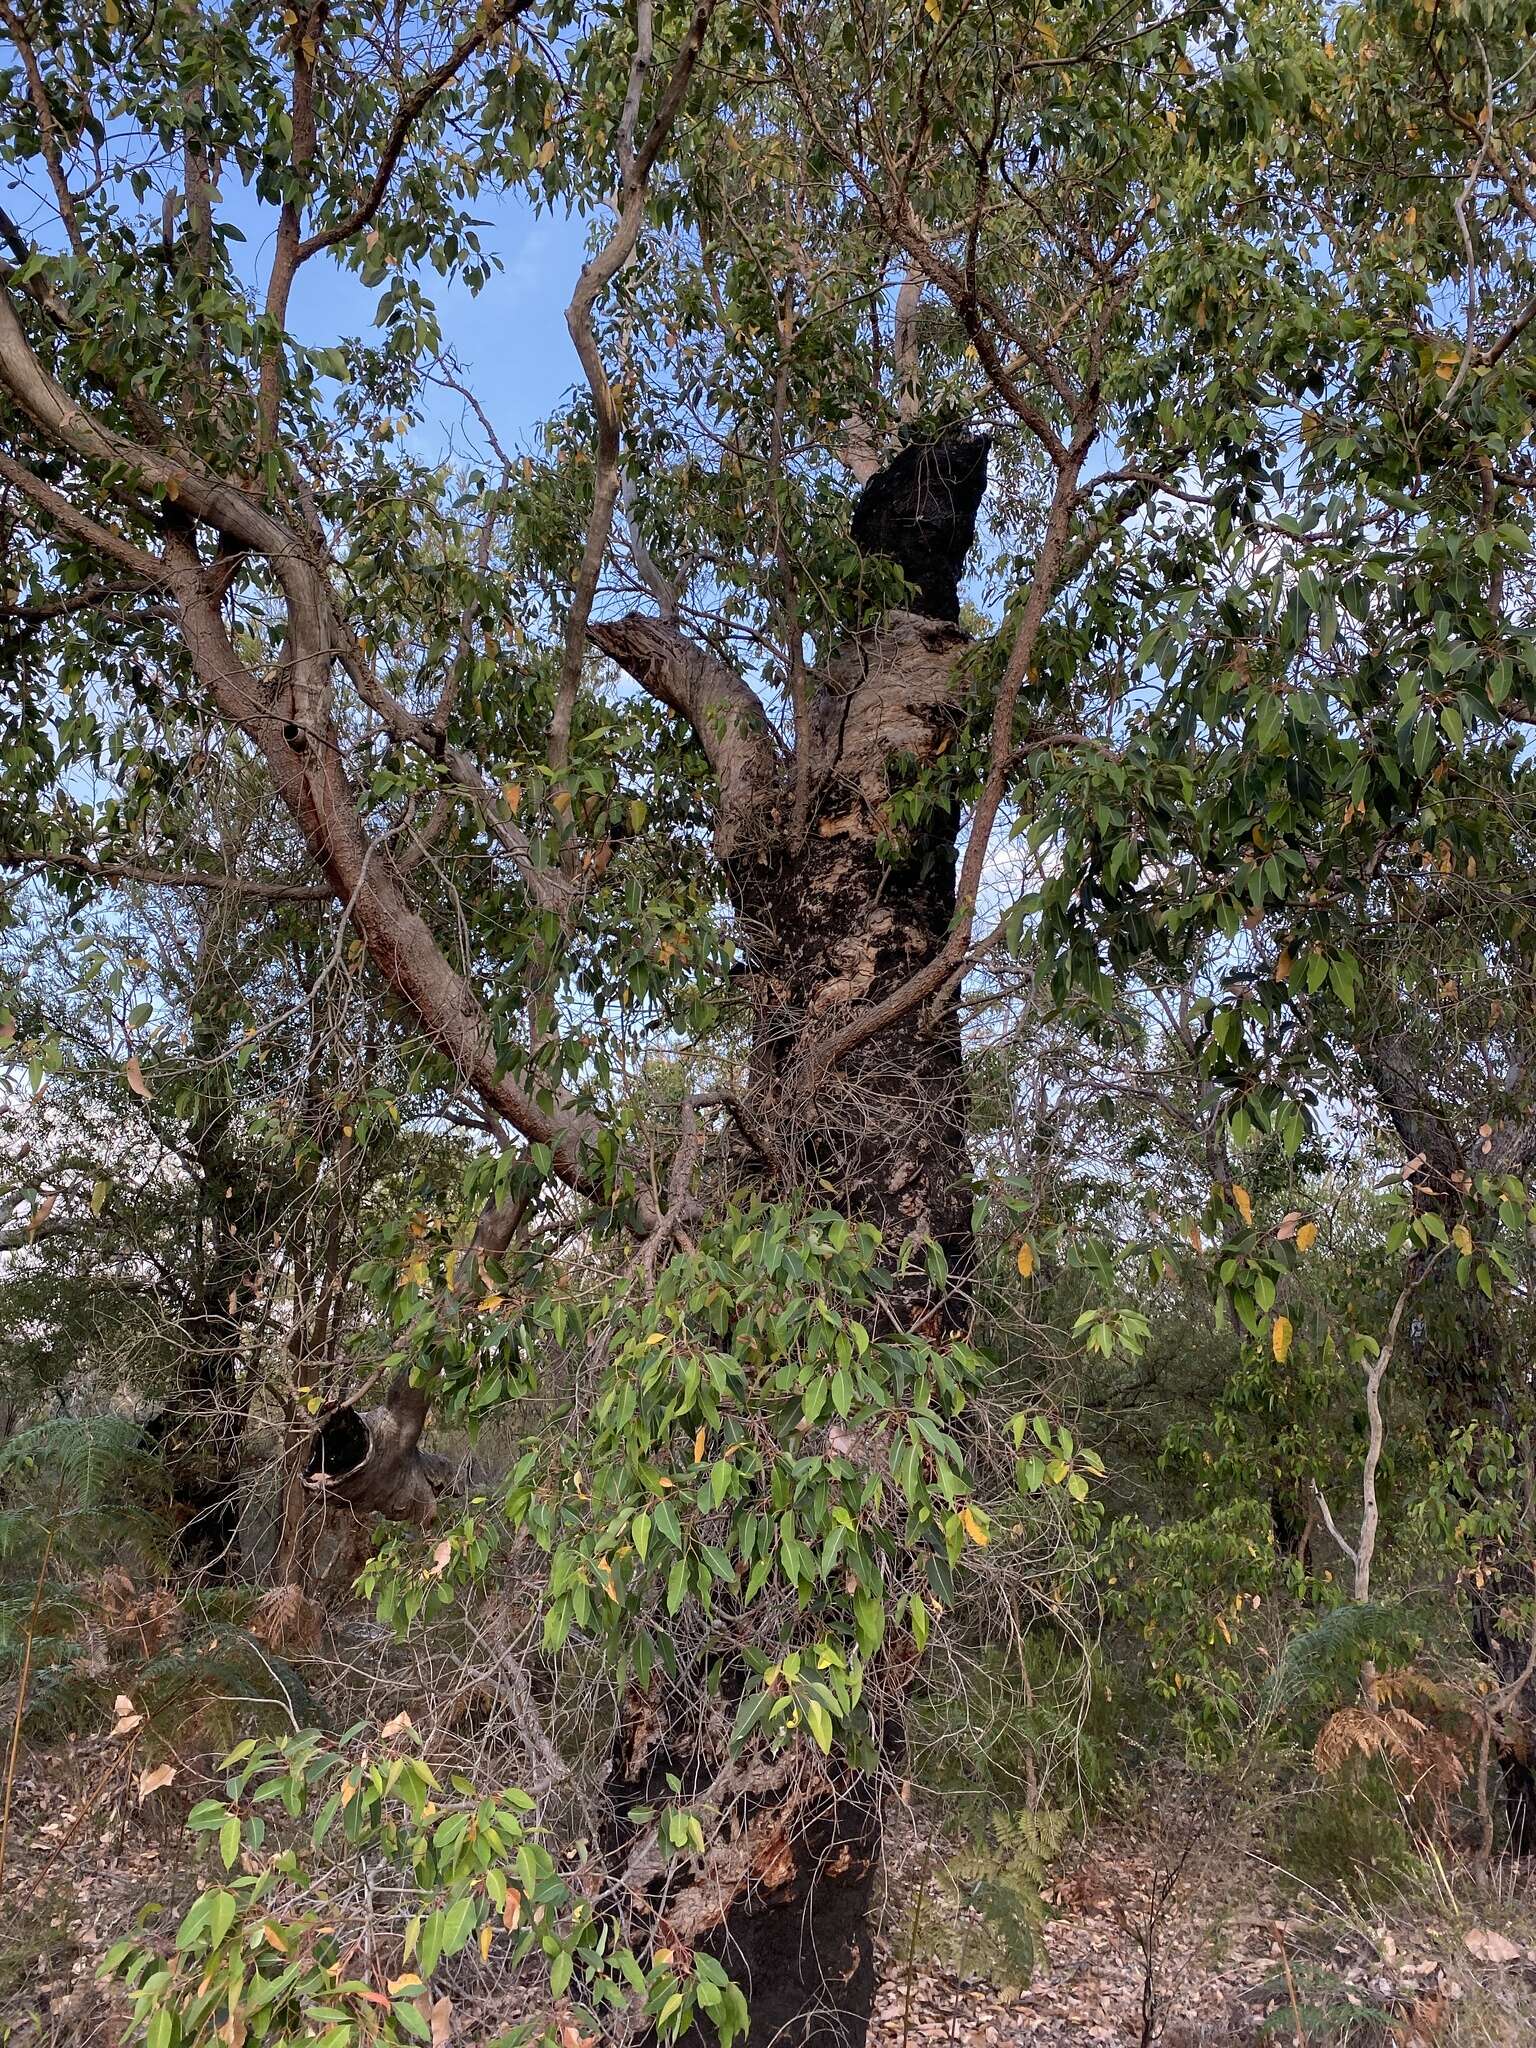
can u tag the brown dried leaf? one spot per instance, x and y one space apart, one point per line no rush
128 1718
1489 1946
152 1781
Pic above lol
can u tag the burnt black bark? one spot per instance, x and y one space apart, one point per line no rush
920 512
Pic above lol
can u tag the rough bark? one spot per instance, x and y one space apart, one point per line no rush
832 919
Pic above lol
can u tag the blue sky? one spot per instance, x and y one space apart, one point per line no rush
511 339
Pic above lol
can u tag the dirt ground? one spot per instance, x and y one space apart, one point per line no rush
1223 1952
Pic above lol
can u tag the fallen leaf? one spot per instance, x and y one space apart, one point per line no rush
398 1726
442 2022
442 1557
127 1717
1489 1946
152 1781
1289 1224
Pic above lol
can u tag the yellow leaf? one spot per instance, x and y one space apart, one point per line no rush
698 1446
1026 1259
932 9
1283 965
1461 1237
512 793
974 1526
409 1982
487 1936
1280 1339
1243 1202
1306 1237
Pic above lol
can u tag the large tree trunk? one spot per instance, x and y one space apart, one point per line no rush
835 917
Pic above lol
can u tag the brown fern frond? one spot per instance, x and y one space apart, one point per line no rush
286 1619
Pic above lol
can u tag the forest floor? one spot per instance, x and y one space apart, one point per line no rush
1147 1938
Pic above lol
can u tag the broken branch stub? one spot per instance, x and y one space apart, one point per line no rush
371 1459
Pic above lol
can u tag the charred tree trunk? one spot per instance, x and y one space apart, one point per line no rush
832 918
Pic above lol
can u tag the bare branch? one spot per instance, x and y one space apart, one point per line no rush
47 125
724 712
268 889
79 525
407 114
597 274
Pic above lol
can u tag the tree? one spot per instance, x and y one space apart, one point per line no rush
1149 276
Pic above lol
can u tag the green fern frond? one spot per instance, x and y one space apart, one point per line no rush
991 1906
1326 1658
